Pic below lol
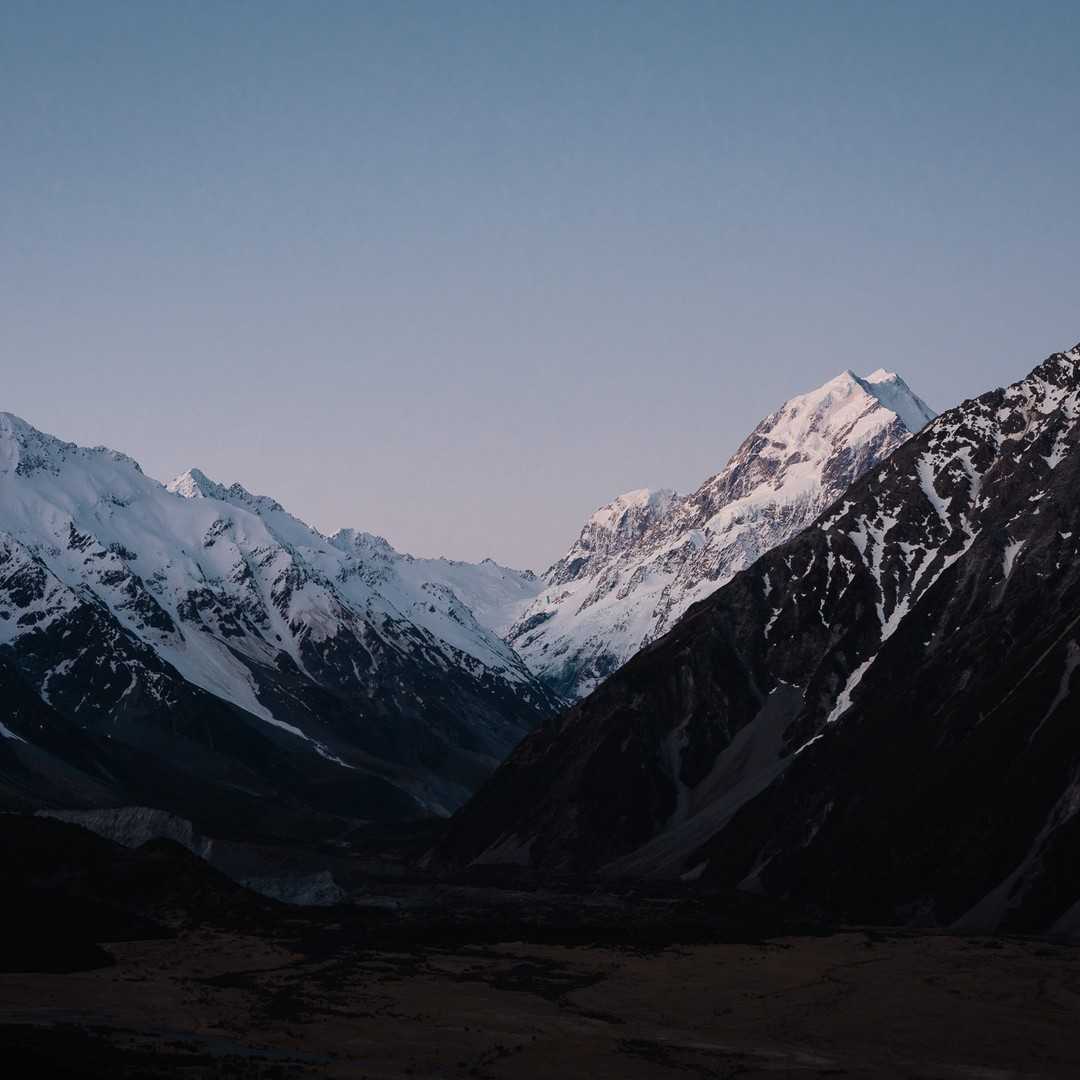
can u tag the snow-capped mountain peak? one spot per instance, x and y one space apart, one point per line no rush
644 558
25 450
195 484
356 540
895 395
847 407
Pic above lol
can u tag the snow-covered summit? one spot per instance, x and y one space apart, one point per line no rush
895 395
644 558
24 450
357 540
195 484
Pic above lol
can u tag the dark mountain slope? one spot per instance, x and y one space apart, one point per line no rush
878 716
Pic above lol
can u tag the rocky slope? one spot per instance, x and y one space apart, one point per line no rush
878 716
199 649
643 559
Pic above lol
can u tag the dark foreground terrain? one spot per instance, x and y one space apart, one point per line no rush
859 1003
148 963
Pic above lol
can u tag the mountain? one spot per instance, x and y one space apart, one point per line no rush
643 559
878 717
200 649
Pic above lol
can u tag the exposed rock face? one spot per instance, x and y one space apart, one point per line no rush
878 716
642 560
200 650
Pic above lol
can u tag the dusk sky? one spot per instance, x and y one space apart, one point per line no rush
458 273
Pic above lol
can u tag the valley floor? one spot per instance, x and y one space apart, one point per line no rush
859 1003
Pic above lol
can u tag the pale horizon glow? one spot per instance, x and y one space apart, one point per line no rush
460 274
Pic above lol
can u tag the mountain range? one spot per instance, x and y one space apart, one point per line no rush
195 647
877 717
198 648
842 672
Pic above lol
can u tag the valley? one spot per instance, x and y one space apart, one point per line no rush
482 977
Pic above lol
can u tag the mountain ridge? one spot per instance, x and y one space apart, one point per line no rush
120 598
807 728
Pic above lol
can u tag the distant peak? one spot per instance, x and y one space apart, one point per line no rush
15 429
25 450
195 484
9 422
349 539
881 388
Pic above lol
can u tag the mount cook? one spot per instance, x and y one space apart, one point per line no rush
642 560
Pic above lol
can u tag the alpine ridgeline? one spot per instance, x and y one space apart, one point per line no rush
199 649
878 717
643 559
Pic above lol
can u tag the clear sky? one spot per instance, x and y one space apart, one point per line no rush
457 273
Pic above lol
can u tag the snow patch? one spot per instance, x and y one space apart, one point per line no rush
1012 550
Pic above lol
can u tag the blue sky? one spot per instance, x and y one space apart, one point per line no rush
458 273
